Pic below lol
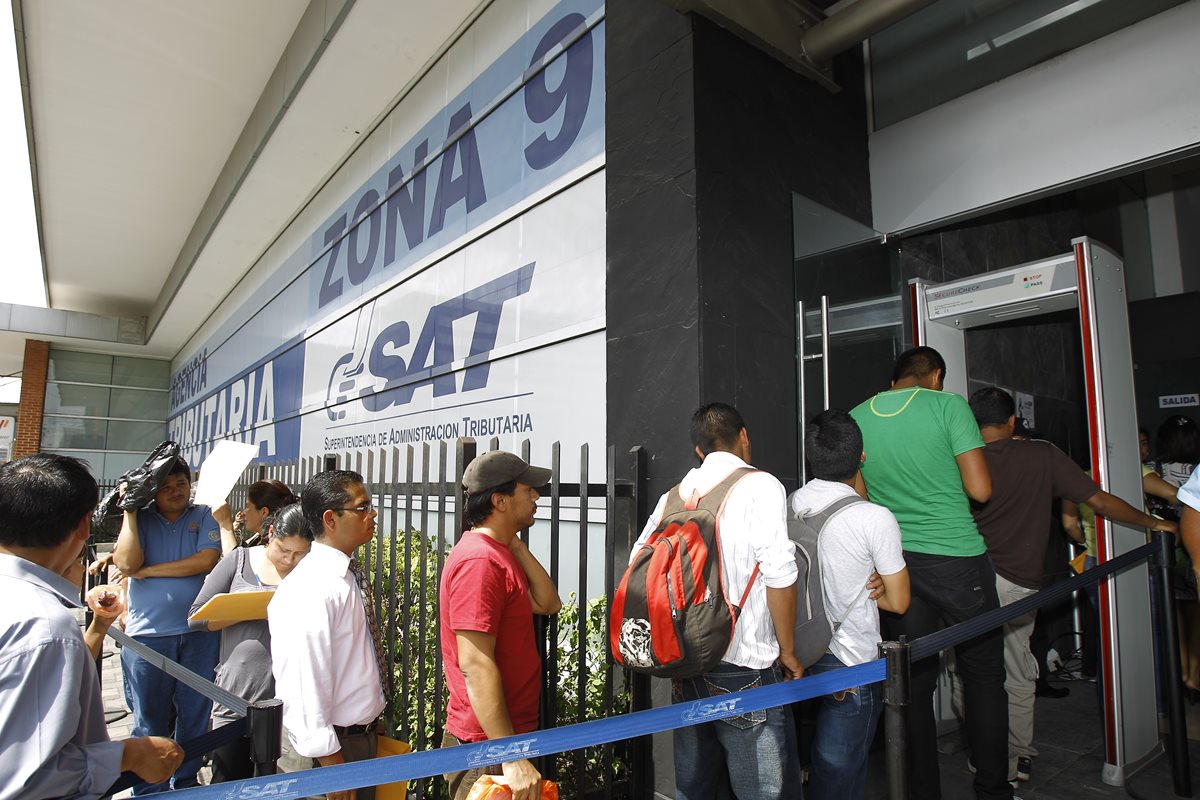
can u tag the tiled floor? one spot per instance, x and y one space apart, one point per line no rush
1070 742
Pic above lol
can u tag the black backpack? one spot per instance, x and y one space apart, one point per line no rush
670 616
814 629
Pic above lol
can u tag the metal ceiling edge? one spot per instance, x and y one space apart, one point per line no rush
18 12
234 173
79 325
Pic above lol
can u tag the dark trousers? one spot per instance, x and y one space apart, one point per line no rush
947 590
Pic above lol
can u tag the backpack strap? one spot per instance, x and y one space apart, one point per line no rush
714 503
717 497
819 520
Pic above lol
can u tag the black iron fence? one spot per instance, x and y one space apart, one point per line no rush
581 523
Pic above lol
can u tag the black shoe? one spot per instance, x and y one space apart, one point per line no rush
1053 692
1024 767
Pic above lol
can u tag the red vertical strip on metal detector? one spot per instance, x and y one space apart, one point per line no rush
912 306
1091 390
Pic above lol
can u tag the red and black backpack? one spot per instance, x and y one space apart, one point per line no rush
670 616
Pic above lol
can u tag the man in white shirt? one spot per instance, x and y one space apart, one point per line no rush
324 653
858 539
756 749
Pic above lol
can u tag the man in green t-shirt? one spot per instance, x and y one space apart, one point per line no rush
924 462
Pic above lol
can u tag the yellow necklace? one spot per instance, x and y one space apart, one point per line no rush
900 410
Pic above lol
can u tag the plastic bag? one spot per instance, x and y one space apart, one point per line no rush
487 789
141 484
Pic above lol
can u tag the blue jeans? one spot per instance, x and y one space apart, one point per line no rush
845 727
757 749
154 693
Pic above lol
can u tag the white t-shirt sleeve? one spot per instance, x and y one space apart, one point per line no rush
884 541
1189 493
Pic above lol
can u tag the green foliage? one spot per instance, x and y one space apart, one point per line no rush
597 761
409 601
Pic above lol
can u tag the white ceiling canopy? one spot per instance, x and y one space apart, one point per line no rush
142 112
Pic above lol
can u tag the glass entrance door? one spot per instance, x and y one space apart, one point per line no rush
849 312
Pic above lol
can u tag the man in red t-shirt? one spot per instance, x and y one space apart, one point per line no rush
491 588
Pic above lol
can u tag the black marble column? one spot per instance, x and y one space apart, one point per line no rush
707 139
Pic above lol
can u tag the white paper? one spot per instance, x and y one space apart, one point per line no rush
220 471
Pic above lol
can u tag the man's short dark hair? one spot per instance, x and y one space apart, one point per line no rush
917 362
42 499
716 427
327 490
992 406
478 506
181 468
833 444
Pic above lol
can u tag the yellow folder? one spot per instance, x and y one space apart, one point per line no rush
237 607
391 747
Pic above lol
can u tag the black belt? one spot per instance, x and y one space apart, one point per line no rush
352 730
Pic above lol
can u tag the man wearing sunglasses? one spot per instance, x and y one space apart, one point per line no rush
326 657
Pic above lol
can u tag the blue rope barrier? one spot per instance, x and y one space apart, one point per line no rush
192 748
180 673
427 763
957 634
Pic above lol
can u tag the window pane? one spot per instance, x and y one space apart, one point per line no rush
87 367
141 372
84 401
117 464
140 436
137 404
86 434
95 460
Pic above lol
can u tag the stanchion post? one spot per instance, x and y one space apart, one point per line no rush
264 726
1181 774
896 698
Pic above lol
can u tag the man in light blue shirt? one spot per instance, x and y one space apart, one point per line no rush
53 741
165 550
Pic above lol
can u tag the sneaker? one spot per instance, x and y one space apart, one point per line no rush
1024 765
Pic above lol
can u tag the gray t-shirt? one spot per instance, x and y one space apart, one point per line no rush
245 665
859 539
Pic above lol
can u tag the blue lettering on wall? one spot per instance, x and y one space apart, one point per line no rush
259 406
573 93
432 357
433 189
433 199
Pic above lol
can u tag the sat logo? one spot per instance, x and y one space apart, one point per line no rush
272 789
356 374
512 751
708 710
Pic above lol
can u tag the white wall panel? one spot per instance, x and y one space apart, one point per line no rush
1119 101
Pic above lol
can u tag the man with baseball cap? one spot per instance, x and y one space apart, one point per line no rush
491 588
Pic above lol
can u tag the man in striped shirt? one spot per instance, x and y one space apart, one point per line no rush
757 749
